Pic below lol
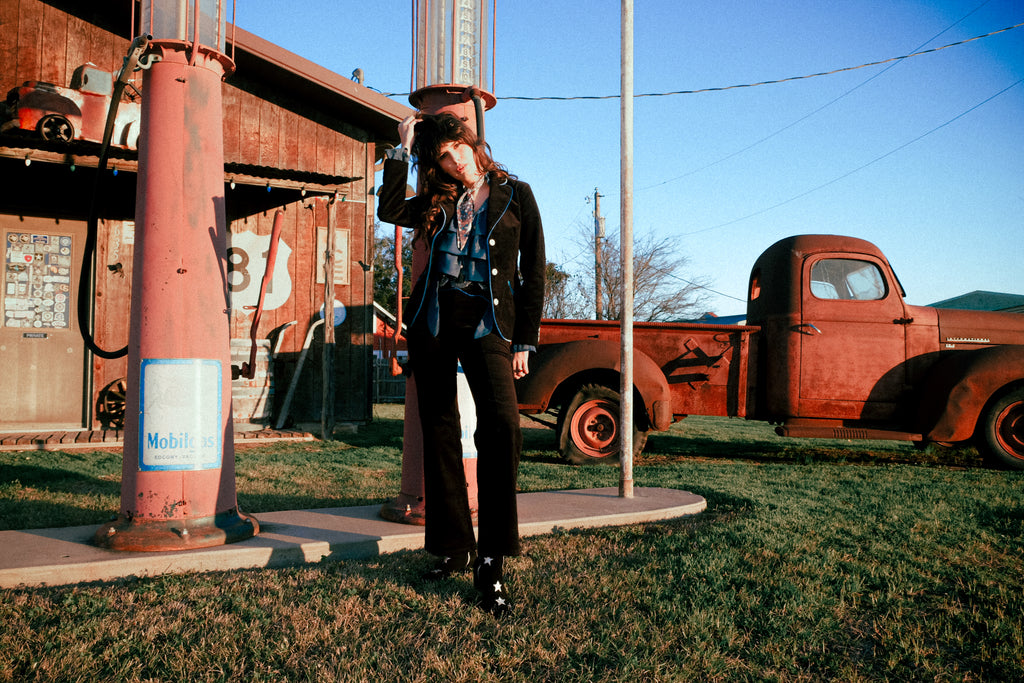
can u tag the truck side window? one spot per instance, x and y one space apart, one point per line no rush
850 279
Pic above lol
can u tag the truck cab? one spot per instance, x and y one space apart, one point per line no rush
834 331
843 355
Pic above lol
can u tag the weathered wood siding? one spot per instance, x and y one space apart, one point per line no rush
40 41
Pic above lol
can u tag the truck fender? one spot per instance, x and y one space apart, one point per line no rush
958 387
558 362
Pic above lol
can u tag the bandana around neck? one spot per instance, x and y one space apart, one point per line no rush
465 209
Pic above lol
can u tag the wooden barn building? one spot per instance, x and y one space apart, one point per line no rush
297 137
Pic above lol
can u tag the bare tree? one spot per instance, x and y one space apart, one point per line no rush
561 298
663 290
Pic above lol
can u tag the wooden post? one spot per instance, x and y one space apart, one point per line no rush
327 397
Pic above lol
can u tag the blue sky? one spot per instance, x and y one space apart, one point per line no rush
922 156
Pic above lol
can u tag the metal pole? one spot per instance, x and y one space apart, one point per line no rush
598 234
626 384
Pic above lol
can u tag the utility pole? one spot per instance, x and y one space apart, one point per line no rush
598 236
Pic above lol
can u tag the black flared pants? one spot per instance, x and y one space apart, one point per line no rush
487 365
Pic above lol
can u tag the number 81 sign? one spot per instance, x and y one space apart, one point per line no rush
247 261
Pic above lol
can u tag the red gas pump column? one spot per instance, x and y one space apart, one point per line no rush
178 477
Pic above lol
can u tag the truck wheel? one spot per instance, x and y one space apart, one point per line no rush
56 128
111 404
1002 430
589 428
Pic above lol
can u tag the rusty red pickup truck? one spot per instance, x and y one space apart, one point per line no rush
830 349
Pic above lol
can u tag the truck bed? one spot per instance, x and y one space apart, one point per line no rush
710 369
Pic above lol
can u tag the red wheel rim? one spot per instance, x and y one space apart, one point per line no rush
593 428
1010 429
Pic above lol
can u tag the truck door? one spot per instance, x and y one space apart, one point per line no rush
43 380
852 339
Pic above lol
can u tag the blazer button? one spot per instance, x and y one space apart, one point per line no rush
492 243
495 302
494 272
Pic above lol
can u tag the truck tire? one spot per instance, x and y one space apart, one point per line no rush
588 432
1002 430
56 128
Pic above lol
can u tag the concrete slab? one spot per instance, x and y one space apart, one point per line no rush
54 557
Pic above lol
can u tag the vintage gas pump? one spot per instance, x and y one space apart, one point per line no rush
450 60
178 479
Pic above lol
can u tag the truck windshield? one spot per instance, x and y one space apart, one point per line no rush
840 278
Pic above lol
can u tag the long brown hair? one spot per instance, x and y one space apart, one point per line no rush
432 131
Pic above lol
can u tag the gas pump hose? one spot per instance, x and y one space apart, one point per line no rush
85 317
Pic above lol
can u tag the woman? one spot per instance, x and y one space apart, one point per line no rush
478 302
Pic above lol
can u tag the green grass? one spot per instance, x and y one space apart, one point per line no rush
815 560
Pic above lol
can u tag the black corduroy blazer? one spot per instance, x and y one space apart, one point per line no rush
515 252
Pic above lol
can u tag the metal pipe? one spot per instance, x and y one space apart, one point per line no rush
478 107
626 141
248 370
396 369
195 33
295 377
494 42
455 28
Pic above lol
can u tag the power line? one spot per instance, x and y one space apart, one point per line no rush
772 82
700 286
859 168
832 182
745 85
809 114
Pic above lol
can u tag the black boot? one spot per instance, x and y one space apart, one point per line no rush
446 566
488 578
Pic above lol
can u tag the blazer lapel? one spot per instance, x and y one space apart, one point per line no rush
498 203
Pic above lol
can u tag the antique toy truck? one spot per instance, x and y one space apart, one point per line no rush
830 349
59 114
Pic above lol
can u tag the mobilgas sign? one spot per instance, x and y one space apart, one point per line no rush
180 414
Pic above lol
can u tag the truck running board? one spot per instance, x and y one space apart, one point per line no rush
831 432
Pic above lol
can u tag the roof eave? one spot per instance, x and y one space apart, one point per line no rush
371 111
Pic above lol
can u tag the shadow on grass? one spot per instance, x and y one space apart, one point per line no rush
56 479
380 432
23 515
668 447
539 441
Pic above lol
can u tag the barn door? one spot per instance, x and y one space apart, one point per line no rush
42 382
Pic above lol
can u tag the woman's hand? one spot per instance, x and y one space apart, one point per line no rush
520 364
407 132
